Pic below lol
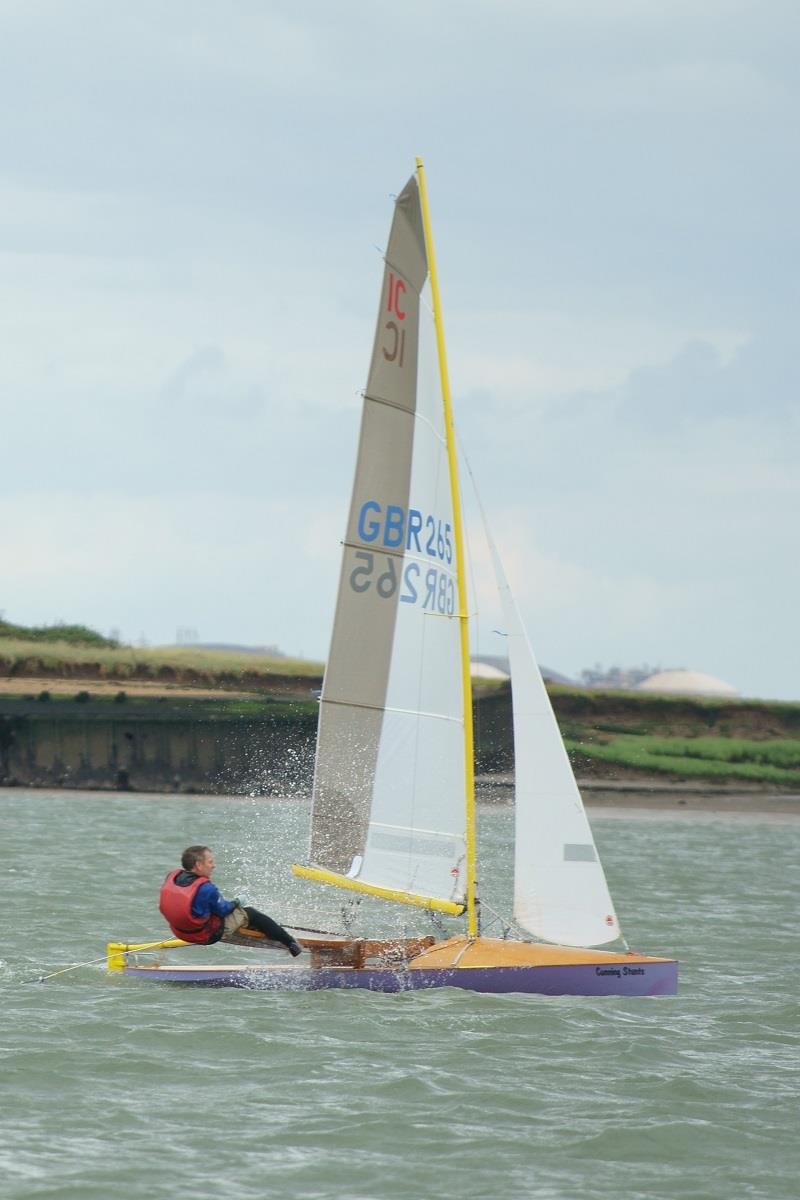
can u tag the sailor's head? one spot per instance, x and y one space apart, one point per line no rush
198 859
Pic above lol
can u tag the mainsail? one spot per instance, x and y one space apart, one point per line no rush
389 786
560 889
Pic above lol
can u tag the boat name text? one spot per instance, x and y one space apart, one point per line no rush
618 972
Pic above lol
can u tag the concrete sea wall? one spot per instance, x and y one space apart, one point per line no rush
152 747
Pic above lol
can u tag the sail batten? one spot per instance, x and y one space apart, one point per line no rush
415 416
437 833
409 556
389 403
410 712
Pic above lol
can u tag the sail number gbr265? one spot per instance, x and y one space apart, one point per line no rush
399 530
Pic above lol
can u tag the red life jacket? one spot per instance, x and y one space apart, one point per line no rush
175 904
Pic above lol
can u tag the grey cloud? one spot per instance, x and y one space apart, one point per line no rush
761 383
205 386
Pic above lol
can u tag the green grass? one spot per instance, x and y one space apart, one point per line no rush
128 662
783 752
774 761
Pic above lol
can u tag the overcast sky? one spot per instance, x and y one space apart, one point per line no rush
193 198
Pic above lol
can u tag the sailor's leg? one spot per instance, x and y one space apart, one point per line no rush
271 929
233 922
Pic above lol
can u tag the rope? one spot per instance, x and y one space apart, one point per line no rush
154 949
470 557
91 963
507 924
74 967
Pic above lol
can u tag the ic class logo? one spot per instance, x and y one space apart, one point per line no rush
395 347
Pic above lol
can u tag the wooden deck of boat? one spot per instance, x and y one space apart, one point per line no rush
462 953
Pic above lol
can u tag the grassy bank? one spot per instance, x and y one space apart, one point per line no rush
169 664
630 736
722 759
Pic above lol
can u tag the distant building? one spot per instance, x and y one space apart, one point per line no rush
616 678
687 683
486 670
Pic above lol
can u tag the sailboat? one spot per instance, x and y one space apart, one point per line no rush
393 811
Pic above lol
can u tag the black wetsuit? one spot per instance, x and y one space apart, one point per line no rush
266 925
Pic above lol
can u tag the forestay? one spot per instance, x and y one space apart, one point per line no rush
560 889
388 807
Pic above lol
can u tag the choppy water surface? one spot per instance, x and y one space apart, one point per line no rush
114 1087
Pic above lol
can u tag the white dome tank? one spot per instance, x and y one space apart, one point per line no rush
687 683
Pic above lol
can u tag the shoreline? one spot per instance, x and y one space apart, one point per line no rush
600 797
655 796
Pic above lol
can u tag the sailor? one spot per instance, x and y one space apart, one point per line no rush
196 911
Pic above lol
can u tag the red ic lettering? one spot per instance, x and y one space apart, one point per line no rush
396 286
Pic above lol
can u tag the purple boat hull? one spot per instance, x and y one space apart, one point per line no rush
658 978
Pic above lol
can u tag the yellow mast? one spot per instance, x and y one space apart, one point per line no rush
458 537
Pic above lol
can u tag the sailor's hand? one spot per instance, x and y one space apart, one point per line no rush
238 902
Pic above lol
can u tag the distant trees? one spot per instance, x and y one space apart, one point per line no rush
78 635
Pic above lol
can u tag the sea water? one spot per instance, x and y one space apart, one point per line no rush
115 1087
